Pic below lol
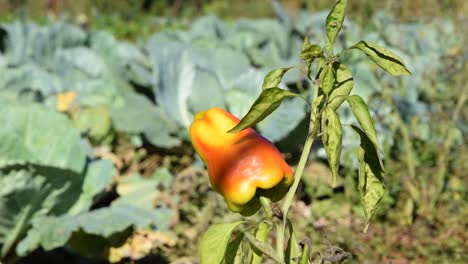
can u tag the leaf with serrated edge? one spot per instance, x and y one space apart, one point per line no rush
334 21
361 112
342 87
268 101
332 140
386 59
273 78
215 241
371 176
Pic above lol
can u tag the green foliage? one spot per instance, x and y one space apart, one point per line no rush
273 78
333 24
215 241
383 57
268 101
35 135
371 182
332 140
148 91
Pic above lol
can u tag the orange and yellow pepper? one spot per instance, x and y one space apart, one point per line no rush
241 166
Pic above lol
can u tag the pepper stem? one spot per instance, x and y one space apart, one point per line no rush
266 204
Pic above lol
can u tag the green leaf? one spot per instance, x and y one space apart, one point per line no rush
140 115
309 51
328 80
305 256
94 122
332 140
361 112
334 22
261 234
55 231
234 250
30 196
273 78
268 101
215 241
292 250
386 59
140 191
263 247
34 134
98 175
342 87
371 176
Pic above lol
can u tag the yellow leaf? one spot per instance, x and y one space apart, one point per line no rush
64 100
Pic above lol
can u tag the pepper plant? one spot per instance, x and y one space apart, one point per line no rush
249 171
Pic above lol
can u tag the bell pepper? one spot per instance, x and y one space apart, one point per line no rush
241 166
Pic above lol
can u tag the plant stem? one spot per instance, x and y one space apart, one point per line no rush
313 130
266 204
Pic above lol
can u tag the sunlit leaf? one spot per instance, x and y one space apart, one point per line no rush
342 87
332 140
305 256
386 59
334 22
328 80
310 52
64 100
371 176
263 247
273 78
261 233
268 101
233 254
361 112
292 250
215 241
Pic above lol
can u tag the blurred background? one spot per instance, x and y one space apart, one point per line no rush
96 98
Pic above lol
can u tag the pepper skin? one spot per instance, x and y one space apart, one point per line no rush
242 166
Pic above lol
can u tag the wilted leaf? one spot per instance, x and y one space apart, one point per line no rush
386 59
215 241
332 140
268 101
371 173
